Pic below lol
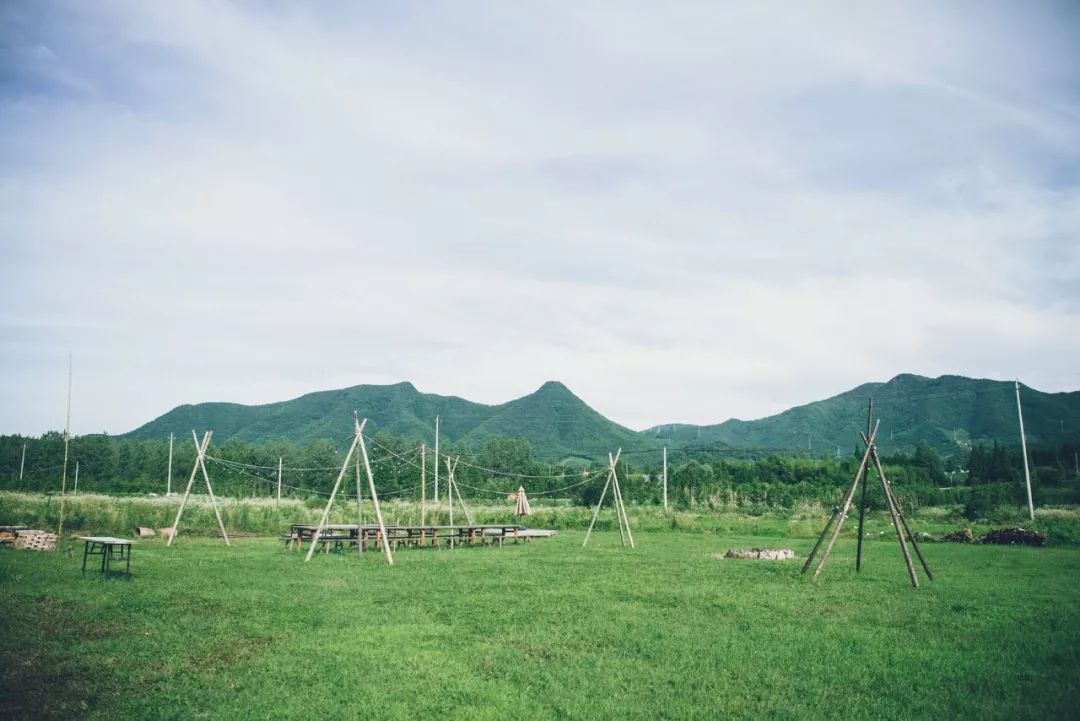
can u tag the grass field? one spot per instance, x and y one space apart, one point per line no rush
545 630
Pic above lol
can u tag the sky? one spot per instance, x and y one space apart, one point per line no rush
684 211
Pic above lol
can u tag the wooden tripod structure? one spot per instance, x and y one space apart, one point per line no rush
839 514
620 509
451 491
358 442
200 464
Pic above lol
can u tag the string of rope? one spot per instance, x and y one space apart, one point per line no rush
255 466
273 482
553 491
492 471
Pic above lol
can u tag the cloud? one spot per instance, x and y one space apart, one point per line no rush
684 213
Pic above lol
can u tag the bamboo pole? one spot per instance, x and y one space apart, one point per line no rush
596 513
457 492
359 513
622 505
846 506
423 487
191 480
824 532
22 463
436 460
209 489
862 501
450 496
333 493
615 499
893 514
75 491
665 479
374 494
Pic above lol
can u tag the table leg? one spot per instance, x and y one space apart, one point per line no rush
86 551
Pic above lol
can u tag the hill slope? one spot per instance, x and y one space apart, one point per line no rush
554 420
949 413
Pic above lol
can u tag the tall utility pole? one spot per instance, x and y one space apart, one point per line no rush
279 461
665 478
436 459
168 478
63 477
22 463
1023 446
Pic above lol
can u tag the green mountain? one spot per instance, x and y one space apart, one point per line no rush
949 413
558 424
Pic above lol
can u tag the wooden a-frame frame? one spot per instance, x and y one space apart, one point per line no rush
617 499
358 442
839 515
200 463
452 490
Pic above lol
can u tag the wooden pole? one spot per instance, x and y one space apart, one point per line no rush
22 463
75 492
209 489
895 506
168 478
846 506
280 461
374 494
423 486
359 512
665 478
457 491
615 499
597 511
437 460
333 493
622 504
862 501
450 496
824 532
1023 446
63 477
891 502
191 480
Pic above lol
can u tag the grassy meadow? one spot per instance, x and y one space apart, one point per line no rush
545 630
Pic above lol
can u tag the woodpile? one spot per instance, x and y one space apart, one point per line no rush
1015 536
771 555
961 536
35 540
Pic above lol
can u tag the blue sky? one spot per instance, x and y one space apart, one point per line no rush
684 211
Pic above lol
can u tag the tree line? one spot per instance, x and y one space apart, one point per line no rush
987 477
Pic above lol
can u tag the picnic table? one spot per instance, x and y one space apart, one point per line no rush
107 547
351 534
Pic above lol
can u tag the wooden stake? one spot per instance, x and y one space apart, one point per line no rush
333 493
374 494
846 507
199 449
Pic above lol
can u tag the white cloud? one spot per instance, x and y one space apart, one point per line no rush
683 213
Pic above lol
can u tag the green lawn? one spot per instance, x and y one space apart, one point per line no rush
545 630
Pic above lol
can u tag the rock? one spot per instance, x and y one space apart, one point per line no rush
771 555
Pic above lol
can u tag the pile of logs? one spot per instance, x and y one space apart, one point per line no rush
35 540
1017 536
777 555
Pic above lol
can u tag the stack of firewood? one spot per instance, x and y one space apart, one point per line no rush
35 540
1018 536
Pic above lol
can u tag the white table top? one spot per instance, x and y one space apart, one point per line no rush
106 539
